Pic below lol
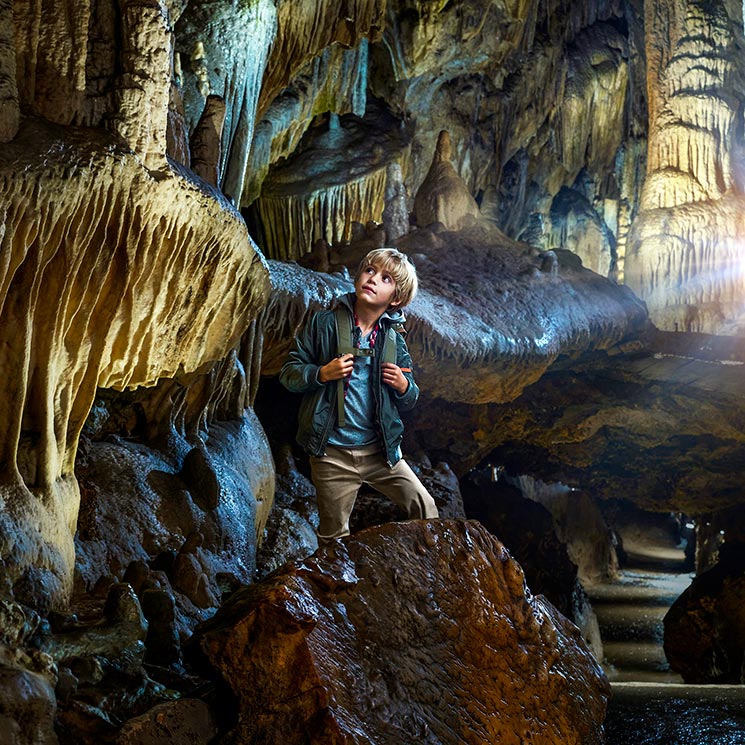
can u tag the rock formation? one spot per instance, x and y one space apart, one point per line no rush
705 628
443 197
686 250
473 339
94 296
370 620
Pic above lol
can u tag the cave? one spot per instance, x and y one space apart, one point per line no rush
187 185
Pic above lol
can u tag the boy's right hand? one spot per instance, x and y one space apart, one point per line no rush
337 369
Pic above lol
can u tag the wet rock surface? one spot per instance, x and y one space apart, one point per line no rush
528 531
705 627
421 631
187 721
27 707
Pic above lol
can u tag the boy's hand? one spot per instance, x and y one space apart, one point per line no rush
393 377
337 369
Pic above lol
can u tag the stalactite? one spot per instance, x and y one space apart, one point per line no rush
294 222
334 81
234 73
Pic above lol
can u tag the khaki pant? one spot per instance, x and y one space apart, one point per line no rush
339 474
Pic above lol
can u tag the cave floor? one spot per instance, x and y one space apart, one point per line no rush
650 704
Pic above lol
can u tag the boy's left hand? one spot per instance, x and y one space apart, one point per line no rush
393 377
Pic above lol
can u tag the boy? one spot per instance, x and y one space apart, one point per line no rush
363 444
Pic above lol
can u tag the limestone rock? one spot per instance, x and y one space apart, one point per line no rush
336 178
580 525
119 634
408 632
333 82
206 142
78 221
10 112
136 506
186 721
527 530
290 533
396 211
303 35
480 330
443 196
27 708
686 246
705 627
211 38
658 422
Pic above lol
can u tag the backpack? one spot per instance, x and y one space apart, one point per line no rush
344 345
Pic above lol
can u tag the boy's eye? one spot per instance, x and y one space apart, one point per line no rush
387 278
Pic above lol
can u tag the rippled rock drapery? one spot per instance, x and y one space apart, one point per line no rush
419 631
317 64
336 178
686 252
114 311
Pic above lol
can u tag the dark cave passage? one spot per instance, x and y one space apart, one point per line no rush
651 705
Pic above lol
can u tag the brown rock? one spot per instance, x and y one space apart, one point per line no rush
186 721
206 142
412 632
705 628
27 708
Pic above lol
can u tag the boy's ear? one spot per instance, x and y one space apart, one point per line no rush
395 304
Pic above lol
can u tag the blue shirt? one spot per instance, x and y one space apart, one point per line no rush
359 406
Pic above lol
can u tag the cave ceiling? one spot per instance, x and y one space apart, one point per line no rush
566 176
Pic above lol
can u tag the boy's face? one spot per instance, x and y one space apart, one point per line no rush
375 289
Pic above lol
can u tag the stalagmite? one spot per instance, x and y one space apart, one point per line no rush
206 142
443 196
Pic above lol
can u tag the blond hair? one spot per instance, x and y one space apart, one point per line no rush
399 266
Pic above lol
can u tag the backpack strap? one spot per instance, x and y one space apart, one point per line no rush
389 346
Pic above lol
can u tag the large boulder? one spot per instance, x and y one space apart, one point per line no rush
410 632
705 627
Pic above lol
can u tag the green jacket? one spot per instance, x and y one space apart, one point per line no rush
316 345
